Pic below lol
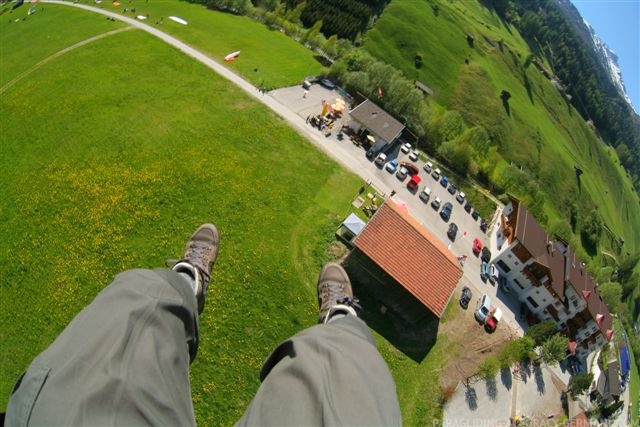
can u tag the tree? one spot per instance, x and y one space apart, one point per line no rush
592 228
489 368
541 332
580 383
515 351
554 349
611 292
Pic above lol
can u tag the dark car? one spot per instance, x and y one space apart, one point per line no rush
327 83
444 181
468 207
485 255
475 215
483 225
465 297
371 153
453 231
452 188
445 213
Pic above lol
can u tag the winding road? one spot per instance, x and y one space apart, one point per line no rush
362 169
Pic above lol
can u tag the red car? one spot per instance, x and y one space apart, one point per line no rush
414 182
411 169
477 246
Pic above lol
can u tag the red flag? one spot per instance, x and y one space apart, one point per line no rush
379 92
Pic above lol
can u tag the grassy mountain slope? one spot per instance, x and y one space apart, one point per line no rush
537 131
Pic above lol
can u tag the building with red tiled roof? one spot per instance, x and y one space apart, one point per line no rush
404 263
579 420
547 275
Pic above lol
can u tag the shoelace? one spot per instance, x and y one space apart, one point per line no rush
351 302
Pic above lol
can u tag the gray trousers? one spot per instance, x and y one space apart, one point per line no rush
124 360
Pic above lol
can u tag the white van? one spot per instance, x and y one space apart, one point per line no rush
483 307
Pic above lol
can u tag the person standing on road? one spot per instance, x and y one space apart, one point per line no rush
124 359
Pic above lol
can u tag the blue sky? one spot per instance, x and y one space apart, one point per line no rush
617 23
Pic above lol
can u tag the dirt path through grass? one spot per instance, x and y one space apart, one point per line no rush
57 54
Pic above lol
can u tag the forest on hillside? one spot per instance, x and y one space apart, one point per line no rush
550 33
344 18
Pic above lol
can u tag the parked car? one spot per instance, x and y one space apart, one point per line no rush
444 181
411 169
452 188
486 254
494 274
475 215
477 246
468 206
414 156
445 213
483 225
425 194
465 297
504 284
436 173
436 203
402 172
460 197
484 271
414 182
311 79
371 153
483 307
306 84
452 231
380 160
405 148
327 83
427 167
493 318
392 166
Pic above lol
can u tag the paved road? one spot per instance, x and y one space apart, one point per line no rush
291 107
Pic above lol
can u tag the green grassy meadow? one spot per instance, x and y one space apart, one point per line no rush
540 132
113 153
279 61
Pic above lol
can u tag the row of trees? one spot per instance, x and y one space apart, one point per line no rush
552 350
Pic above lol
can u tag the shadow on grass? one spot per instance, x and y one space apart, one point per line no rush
537 374
322 60
527 86
414 339
492 389
471 397
506 378
507 108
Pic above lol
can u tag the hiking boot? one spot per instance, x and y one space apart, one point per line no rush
198 258
334 293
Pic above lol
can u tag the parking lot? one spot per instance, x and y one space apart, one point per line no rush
354 158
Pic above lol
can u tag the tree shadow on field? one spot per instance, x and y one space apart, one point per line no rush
537 374
527 86
471 397
492 388
506 378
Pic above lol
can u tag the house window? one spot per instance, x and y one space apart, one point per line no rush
556 304
518 283
532 302
504 267
544 300
537 292
509 255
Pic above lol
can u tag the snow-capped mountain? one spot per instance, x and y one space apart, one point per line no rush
609 59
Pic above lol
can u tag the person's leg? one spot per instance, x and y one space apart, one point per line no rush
124 359
330 374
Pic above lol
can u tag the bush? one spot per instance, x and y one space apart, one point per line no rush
515 351
592 228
